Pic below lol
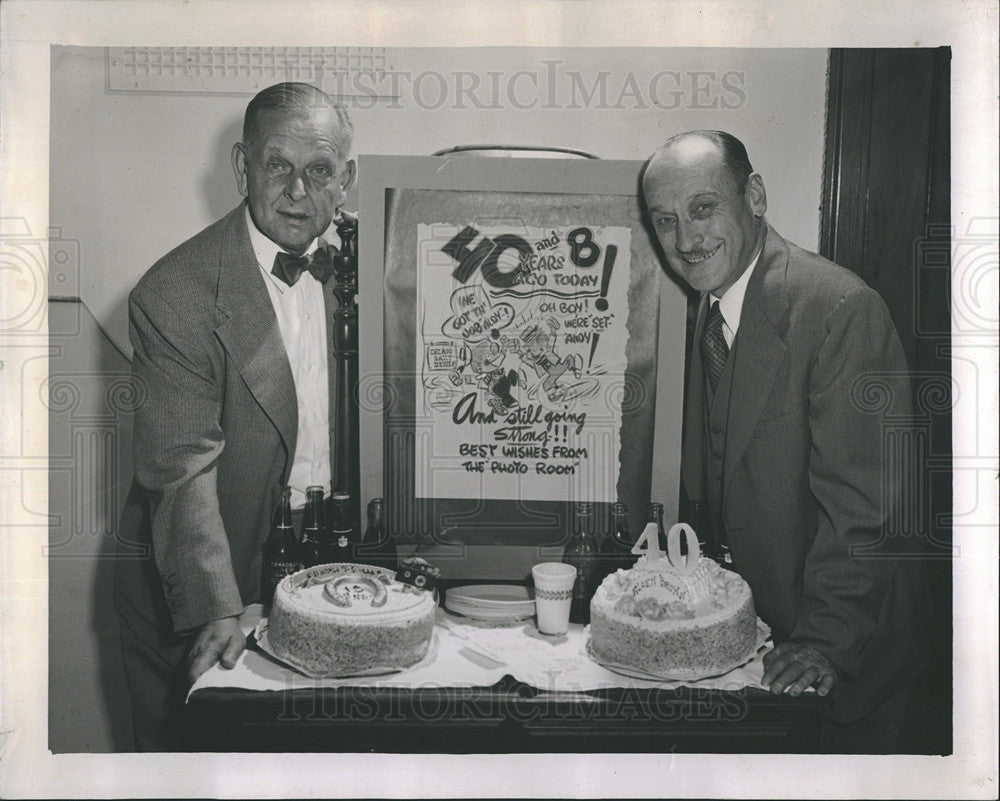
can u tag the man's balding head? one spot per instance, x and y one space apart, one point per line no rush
731 150
707 205
297 99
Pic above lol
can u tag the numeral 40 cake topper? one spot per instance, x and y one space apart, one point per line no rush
649 544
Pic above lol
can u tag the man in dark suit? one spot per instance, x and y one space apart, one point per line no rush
784 443
230 334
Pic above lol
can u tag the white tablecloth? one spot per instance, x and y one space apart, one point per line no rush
463 654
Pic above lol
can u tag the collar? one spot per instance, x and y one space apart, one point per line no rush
265 249
731 303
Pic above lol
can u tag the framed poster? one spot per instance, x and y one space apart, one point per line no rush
521 350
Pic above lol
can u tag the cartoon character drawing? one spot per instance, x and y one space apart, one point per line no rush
536 347
482 366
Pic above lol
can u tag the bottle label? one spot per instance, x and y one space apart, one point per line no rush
281 569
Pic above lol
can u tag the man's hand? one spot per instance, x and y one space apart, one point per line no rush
220 641
796 667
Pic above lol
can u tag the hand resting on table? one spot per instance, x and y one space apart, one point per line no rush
219 641
796 667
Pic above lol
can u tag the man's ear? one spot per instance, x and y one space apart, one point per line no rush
347 175
239 158
756 194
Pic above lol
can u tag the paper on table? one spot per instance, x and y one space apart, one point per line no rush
255 670
558 664
562 664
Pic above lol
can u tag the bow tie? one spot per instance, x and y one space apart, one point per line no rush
289 267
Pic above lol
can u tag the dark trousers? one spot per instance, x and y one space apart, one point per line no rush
156 673
886 730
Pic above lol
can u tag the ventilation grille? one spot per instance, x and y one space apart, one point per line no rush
339 71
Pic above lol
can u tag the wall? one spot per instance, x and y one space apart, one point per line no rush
90 467
135 173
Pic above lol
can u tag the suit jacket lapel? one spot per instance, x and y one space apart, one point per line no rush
250 332
692 448
759 347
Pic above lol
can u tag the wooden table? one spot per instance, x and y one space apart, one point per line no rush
507 717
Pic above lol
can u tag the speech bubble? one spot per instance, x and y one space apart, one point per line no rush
475 316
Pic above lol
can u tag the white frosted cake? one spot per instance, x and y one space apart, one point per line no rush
346 619
683 618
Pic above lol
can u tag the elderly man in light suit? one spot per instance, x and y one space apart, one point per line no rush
231 335
778 445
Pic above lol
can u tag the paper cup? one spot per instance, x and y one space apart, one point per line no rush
553 595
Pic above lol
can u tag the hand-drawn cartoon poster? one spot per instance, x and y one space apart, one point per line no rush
520 358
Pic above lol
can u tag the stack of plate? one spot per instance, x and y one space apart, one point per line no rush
495 602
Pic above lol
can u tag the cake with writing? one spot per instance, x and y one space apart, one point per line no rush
348 619
682 616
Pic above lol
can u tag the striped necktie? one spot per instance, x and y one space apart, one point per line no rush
714 350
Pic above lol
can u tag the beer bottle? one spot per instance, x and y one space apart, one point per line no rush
656 516
581 552
280 551
616 547
376 547
314 533
343 534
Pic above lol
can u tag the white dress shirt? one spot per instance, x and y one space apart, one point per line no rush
731 303
301 314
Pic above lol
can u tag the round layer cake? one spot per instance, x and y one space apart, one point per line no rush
345 619
658 620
